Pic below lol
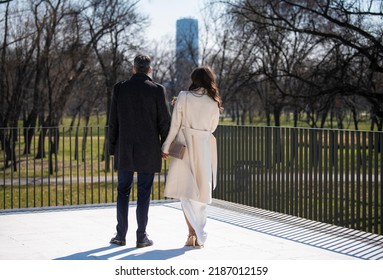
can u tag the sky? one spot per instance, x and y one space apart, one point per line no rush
164 14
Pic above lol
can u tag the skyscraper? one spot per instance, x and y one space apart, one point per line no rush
187 52
187 40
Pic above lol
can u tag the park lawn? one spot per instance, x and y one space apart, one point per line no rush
67 194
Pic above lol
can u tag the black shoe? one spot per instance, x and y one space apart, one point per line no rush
118 242
144 243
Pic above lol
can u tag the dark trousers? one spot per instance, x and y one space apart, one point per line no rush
145 183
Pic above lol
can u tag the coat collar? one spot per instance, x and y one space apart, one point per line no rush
200 91
141 76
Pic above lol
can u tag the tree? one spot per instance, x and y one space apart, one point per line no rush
164 65
113 51
353 26
16 77
53 45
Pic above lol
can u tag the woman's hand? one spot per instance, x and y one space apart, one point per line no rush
164 155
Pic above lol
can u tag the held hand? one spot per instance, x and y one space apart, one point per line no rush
164 155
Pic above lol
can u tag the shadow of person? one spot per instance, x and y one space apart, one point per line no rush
103 253
155 254
123 253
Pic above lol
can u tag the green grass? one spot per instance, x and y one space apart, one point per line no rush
44 195
67 160
288 121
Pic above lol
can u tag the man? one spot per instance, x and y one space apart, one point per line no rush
138 125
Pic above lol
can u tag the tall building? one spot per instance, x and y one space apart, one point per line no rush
187 40
187 52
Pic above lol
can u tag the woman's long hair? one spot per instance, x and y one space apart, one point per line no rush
204 77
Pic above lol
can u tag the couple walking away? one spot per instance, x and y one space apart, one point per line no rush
141 132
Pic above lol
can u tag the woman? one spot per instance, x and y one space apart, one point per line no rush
192 178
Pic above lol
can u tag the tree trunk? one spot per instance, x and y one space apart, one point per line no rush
296 117
84 138
41 144
339 119
277 116
54 139
372 125
72 121
29 131
237 115
323 119
268 118
76 139
10 149
355 118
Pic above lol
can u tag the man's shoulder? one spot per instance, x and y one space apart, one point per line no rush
135 82
159 85
120 83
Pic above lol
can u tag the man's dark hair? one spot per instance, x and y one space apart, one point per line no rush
142 63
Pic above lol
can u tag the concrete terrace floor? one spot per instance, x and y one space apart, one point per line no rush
235 232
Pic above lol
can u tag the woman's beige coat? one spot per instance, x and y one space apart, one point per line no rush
194 176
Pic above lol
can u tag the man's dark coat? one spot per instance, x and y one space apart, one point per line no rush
138 124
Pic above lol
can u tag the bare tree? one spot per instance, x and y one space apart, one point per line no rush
16 78
49 54
353 25
114 50
164 65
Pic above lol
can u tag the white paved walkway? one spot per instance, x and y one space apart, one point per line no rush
235 233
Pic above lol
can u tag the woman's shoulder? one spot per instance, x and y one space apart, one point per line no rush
179 100
183 93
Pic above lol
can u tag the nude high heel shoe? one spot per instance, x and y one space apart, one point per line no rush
192 242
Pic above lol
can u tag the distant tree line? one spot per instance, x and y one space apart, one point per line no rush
61 57
320 58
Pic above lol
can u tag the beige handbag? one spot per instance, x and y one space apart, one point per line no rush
177 150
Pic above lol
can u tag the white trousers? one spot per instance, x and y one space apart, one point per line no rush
196 213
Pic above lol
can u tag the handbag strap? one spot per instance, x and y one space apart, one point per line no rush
183 124
185 114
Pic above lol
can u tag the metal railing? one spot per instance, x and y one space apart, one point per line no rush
332 176
59 166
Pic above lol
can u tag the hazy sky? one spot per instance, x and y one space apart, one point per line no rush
164 14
